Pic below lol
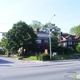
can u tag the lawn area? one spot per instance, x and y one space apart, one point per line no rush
32 58
57 57
60 57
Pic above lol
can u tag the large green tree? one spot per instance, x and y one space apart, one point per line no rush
35 25
21 35
53 28
75 30
45 27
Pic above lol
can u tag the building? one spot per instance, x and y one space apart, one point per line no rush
67 40
42 41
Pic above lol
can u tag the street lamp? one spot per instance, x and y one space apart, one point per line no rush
50 44
50 37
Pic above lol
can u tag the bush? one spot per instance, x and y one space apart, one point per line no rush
77 54
32 58
20 57
56 57
61 57
7 53
44 57
1 51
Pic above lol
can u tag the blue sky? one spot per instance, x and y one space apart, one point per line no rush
67 12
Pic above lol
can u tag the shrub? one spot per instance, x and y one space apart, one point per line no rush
20 57
44 57
7 53
32 58
1 51
56 57
61 57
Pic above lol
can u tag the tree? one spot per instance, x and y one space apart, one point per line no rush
75 30
21 35
36 24
54 29
78 47
45 27
54 43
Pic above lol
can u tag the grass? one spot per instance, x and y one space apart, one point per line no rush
32 58
57 57
60 57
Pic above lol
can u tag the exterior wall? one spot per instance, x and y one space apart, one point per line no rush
42 41
70 41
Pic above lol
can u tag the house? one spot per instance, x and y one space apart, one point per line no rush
67 40
42 40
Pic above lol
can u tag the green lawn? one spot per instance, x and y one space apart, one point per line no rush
32 58
57 57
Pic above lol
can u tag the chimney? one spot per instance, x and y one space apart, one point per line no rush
60 36
37 29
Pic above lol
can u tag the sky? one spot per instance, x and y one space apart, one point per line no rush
67 13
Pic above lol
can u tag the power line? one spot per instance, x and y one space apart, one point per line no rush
6 23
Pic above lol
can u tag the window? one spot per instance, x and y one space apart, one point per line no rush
45 41
74 43
70 43
38 41
70 38
79 38
71 47
64 44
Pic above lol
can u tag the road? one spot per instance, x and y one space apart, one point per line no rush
11 69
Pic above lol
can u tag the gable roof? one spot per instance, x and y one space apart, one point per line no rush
64 37
76 37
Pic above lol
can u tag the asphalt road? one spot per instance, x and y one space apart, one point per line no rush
21 70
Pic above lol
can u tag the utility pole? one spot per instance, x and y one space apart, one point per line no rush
50 37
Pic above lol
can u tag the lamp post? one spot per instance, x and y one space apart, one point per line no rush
50 44
50 37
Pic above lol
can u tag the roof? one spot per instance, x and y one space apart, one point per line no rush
41 32
64 37
76 37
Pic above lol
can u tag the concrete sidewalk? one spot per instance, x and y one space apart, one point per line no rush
15 59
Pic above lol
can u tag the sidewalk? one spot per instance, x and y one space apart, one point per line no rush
14 58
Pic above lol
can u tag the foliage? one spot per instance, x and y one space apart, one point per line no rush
56 57
75 30
62 57
2 51
54 43
7 53
44 57
78 47
32 58
0 44
21 35
36 24
45 27
54 29
64 50
20 57
78 54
